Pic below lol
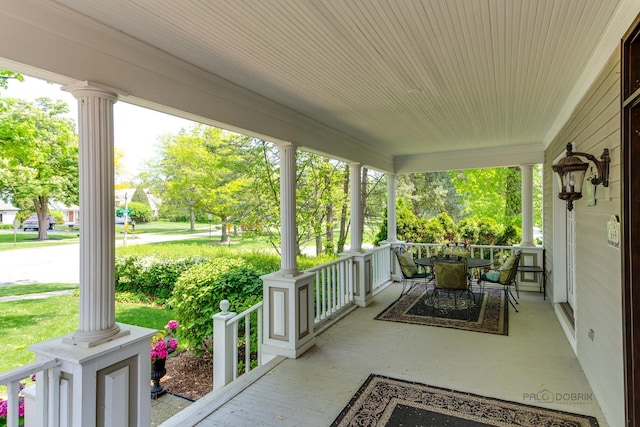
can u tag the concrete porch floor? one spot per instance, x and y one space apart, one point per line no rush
312 390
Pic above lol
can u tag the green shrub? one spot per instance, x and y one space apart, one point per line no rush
199 290
151 276
488 231
468 230
449 227
510 236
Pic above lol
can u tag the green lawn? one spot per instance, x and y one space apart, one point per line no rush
29 239
34 288
27 322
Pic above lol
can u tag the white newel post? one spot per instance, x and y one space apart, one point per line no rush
363 291
288 293
527 205
105 371
222 347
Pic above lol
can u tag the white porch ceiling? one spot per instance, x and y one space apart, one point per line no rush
411 80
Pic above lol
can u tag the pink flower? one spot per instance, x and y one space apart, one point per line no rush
173 344
172 325
161 350
3 408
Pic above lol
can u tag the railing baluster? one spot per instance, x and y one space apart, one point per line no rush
247 343
235 350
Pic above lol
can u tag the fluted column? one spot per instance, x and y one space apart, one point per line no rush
356 206
527 205
392 228
288 229
97 228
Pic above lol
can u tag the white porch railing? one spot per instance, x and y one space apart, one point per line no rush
45 410
226 342
333 287
381 258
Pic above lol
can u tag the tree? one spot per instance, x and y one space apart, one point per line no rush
140 196
198 169
493 193
430 194
38 155
6 75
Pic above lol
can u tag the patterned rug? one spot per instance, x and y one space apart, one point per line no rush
383 401
488 311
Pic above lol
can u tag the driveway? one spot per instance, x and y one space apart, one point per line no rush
61 263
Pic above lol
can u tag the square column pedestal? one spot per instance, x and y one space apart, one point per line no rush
105 385
363 278
288 314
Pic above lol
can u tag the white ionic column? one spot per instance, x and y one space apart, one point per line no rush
392 228
527 205
356 226
97 235
288 230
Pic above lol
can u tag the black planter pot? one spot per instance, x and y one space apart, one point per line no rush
158 371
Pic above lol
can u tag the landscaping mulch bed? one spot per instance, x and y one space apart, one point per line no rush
188 375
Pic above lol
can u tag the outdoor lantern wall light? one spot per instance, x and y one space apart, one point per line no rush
571 171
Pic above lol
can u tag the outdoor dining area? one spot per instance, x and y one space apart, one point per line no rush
451 272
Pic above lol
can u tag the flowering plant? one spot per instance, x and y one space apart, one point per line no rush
164 342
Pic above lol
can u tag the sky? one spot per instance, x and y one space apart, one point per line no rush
136 129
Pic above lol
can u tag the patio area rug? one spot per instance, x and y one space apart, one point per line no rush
489 311
383 401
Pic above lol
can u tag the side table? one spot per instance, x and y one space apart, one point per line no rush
540 274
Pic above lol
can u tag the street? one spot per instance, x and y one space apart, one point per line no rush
61 263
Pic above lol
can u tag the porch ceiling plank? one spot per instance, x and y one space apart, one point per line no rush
366 81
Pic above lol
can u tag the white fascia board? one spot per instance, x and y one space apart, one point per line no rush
471 159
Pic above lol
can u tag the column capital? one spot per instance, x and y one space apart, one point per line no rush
87 87
285 144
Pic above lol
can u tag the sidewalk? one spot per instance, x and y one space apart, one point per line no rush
166 406
37 296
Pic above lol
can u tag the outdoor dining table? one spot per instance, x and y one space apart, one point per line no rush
471 262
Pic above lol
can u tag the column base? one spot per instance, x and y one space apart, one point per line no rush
95 384
87 343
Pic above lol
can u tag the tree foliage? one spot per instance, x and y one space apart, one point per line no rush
199 170
38 155
140 196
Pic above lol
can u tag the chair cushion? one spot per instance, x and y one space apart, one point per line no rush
506 268
407 264
450 275
492 276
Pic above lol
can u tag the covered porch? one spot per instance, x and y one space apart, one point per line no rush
493 93
535 358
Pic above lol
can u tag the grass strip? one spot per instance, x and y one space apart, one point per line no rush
34 288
